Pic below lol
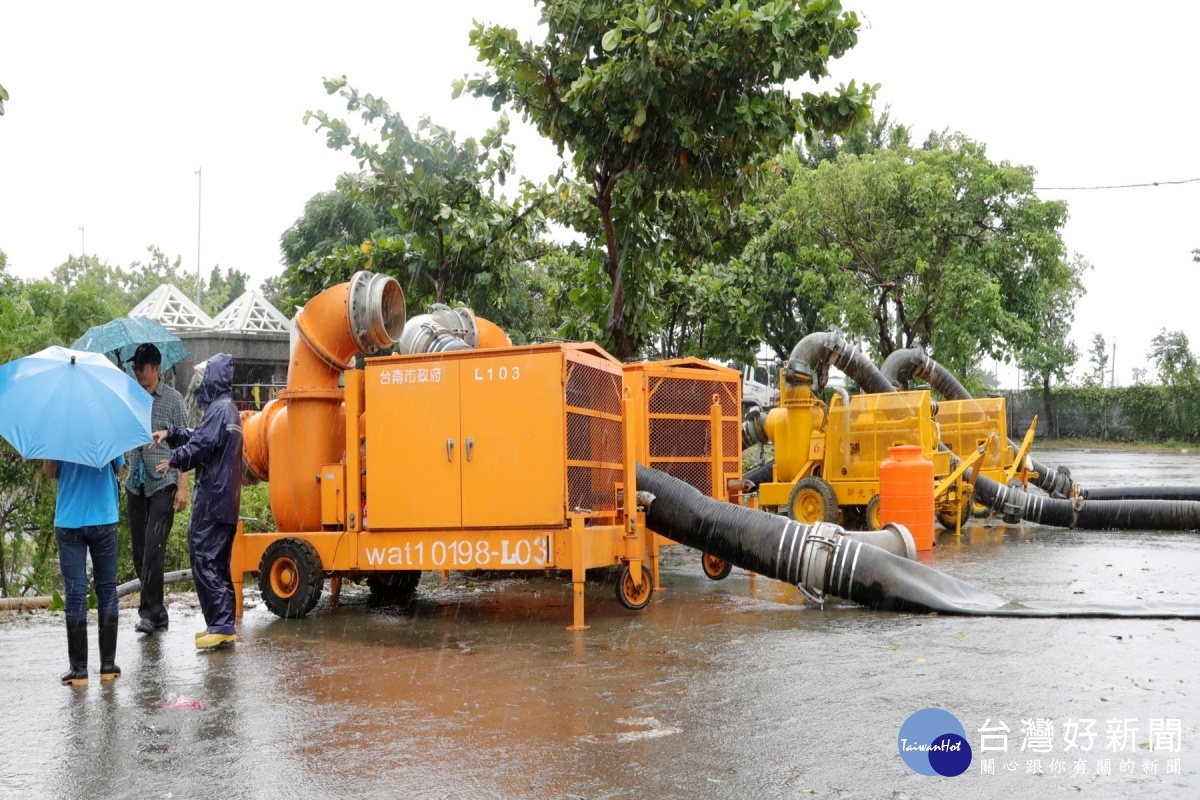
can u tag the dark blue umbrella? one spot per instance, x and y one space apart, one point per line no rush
68 405
120 338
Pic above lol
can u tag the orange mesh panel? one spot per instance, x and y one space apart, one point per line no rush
680 427
689 396
595 437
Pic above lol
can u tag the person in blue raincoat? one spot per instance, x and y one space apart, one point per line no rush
214 451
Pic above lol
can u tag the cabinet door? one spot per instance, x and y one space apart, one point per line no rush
514 467
414 449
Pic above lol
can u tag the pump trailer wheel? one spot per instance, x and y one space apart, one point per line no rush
291 577
715 568
946 516
871 515
813 500
634 596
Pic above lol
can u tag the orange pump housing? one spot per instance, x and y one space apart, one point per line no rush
906 489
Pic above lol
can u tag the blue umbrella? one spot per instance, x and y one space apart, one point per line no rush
120 338
69 405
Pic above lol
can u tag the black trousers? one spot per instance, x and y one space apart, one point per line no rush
150 520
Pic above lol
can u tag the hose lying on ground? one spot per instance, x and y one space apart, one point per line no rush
820 560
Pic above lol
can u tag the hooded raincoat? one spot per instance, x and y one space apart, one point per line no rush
214 451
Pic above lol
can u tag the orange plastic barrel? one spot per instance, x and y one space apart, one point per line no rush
906 493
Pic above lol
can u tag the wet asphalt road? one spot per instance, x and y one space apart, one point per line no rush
725 690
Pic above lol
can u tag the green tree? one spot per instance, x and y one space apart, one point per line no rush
670 97
223 289
457 233
1097 362
1172 356
3 97
1051 354
332 222
941 246
80 293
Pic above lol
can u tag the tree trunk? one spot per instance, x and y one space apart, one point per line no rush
1050 429
624 345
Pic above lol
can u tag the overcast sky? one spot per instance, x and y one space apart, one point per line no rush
115 106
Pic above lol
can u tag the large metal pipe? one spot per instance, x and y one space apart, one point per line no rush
301 430
823 560
443 329
831 348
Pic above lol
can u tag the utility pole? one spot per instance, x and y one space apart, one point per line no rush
83 249
199 200
1113 384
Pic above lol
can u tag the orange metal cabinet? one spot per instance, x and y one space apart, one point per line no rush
413 444
333 494
513 439
501 438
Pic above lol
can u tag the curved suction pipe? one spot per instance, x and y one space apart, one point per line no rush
901 365
831 348
303 428
823 559
364 315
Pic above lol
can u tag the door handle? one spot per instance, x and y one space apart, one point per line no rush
470 444
449 449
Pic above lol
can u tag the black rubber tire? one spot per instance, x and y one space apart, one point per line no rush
393 585
809 491
633 596
946 518
871 521
291 578
711 570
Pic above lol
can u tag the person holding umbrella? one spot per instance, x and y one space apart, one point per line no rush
79 412
214 450
153 499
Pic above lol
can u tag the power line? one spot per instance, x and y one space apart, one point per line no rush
1119 186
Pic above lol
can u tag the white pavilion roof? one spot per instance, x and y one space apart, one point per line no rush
170 308
252 313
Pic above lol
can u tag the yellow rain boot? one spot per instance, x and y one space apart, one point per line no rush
210 641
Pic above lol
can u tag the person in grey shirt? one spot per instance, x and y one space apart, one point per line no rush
154 498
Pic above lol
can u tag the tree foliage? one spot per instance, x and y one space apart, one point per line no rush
1097 362
1173 358
678 96
452 235
938 246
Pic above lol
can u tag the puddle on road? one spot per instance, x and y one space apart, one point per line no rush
717 689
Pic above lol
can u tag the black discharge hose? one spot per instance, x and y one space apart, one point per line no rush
763 473
1190 493
900 366
820 561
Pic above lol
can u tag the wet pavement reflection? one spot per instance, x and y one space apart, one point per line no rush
726 689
